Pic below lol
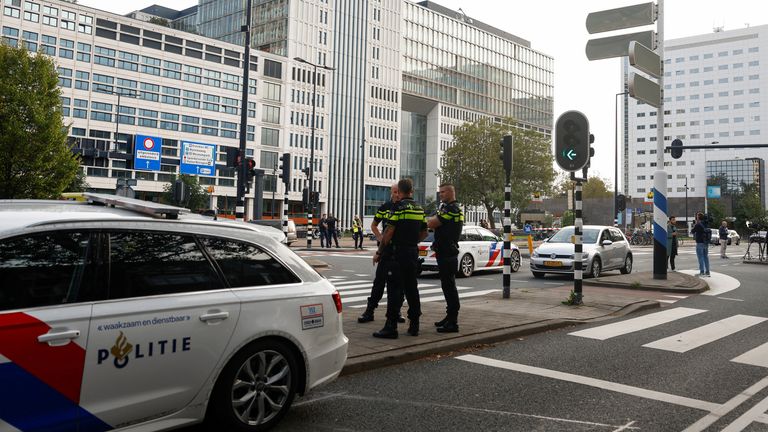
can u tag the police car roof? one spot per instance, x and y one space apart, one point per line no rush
19 214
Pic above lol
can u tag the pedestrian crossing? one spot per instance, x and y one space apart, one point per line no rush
355 292
688 340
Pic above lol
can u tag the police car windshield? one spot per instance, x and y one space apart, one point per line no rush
565 234
430 237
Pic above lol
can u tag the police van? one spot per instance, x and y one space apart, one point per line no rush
117 313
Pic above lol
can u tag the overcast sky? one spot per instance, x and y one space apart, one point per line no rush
556 28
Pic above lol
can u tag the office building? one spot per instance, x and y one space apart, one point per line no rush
714 94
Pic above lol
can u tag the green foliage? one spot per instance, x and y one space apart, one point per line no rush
595 187
473 165
716 209
568 219
78 183
748 207
197 198
35 158
159 21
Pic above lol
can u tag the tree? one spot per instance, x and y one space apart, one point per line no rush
716 210
35 159
159 21
595 187
472 164
78 183
749 207
197 198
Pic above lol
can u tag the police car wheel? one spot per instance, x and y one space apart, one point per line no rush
514 261
466 266
256 388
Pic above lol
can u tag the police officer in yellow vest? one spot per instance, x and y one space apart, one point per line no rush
448 224
357 232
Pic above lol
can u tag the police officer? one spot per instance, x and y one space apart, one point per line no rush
447 225
407 227
377 291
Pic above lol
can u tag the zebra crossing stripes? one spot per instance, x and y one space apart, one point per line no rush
703 335
636 324
755 357
355 292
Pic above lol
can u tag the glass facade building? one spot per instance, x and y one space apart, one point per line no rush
736 175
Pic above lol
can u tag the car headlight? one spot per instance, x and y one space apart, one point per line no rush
535 254
585 255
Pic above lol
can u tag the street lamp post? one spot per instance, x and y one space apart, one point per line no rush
616 151
119 94
687 220
312 145
706 180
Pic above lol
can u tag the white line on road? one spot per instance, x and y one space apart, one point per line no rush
364 291
703 335
421 292
728 298
727 407
755 357
347 282
762 419
593 382
636 324
718 283
666 301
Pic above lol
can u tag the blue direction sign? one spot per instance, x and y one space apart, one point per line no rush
713 191
198 158
146 154
527 228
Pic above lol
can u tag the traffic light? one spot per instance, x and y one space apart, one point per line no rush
250 167
677 149
285 167
315 199
506 153
572 139
305 198
233 157
621 203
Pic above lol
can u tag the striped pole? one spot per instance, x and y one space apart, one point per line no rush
506 279
660 225
285 213
577 247
309 222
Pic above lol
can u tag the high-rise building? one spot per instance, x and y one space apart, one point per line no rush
714 94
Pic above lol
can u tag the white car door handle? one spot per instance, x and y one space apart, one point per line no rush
59 336
214 316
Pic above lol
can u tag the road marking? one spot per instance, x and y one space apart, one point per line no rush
666 301
703 335
754 413
675 296
636 324
347 282
727 407
368 290
762 419
593 382
728 298
421 292
462 295
755 357
718 283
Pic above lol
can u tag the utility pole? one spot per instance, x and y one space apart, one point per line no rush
242 168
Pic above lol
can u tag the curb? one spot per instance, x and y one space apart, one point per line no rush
404 355
700 287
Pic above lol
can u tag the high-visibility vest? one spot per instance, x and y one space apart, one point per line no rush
355 227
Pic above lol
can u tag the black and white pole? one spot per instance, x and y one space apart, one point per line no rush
285 213
506 278
243 166
309 220
577 246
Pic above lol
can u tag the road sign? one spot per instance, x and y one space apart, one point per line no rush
713 191
621 18
618 46
644 59
146 153
641 88
198 158
527 228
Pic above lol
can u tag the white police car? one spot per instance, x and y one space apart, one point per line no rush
111 318
479 249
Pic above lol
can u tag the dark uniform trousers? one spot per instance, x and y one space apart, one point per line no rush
446 266
401 277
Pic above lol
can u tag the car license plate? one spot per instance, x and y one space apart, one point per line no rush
553 263
423 252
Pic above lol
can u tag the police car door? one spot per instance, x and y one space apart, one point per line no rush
157 340
44 330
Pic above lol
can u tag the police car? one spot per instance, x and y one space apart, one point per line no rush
117 313
479 249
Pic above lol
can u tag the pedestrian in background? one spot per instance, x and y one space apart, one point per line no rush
723 234
699 232
323 230
407 227
357 232
672 242
447 225
331 223
380 278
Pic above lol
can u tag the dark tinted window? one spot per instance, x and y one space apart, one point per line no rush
106 23
109 34
128 38
246 265
153 35
173 48
153 263
616 235
487 235
193 53
273 69
473 235
151 44
42 270
130 29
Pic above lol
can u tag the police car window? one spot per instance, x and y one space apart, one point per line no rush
43 269
487 235
473 235
246 265
153 263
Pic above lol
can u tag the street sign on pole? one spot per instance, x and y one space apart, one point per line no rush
147 150
643 89
621 18
618 46
644 59
198 159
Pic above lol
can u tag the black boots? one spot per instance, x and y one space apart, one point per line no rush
366 316
413 328
448 327
441 322
389 331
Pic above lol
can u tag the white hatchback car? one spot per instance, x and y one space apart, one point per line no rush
479 249
136 316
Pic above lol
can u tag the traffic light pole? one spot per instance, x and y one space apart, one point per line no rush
577 245
660 218
242 167
507 277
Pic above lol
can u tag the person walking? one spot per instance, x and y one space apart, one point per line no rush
447 225
380 278
722 232
331 223
406 228
323 230
357 232
672 242
699 232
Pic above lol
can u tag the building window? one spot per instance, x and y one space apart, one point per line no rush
270 114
